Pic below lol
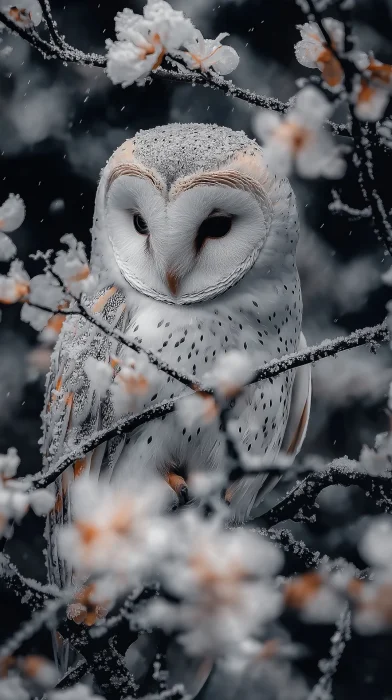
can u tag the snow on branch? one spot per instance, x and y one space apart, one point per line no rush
191 67
127 424
366 83
303 496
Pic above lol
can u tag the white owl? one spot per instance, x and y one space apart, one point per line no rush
194 244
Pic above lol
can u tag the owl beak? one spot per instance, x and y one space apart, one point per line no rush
172 282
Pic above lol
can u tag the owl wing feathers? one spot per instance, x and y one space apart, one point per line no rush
73 412
247 495
298 419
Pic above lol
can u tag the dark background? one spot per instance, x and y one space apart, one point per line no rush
58 126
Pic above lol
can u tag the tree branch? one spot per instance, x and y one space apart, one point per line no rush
381 225
305 493
328 348
127 424
123 426
59 49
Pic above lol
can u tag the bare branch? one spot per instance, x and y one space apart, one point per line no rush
305 493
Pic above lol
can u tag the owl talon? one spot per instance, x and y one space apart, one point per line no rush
179 486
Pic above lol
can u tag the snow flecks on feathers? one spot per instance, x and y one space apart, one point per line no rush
178 150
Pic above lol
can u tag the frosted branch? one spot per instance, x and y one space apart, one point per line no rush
59 49
323 689
360 134
303 496
327 348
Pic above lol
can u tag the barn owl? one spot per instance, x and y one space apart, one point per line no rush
194 244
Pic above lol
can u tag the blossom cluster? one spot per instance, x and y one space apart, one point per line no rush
143 41
46 296
298 140
222 580
12 214
373 83
320 596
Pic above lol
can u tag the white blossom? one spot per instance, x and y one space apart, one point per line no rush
121 519
39 671
223 581
378 461
373 90
72 267
7 248
9 463
143 40
12 213
298 140
37 318
25 13
100 375
230 373
387 277
12 689
312 51
45 291
197 407
14 286
376 544
42 501
14 504
204 54
135 377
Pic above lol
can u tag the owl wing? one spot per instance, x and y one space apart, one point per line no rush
247 495
301 397
72 413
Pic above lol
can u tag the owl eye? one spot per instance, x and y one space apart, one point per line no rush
140 224
215 226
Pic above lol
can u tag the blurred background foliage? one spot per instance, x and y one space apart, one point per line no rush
58 126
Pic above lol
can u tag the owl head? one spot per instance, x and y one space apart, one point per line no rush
184 212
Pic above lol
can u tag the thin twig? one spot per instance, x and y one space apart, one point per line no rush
382 227
47 15
187 380
323 688
123 426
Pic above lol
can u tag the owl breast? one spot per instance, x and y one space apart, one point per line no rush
190 339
